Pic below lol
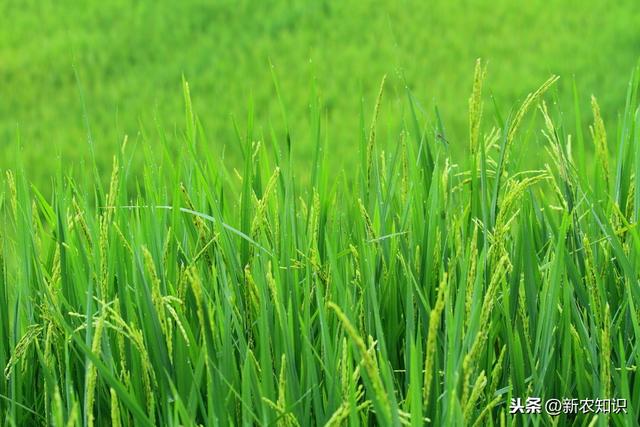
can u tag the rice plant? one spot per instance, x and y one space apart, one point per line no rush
419 287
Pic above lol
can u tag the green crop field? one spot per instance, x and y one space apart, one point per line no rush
127 60
319 213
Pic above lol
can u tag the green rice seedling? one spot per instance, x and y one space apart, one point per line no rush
599 135
417 288
434 322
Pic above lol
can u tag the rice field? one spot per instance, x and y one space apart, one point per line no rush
424 286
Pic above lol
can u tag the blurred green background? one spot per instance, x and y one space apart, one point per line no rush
130 58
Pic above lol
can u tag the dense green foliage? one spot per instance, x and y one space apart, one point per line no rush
405 290
130 56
